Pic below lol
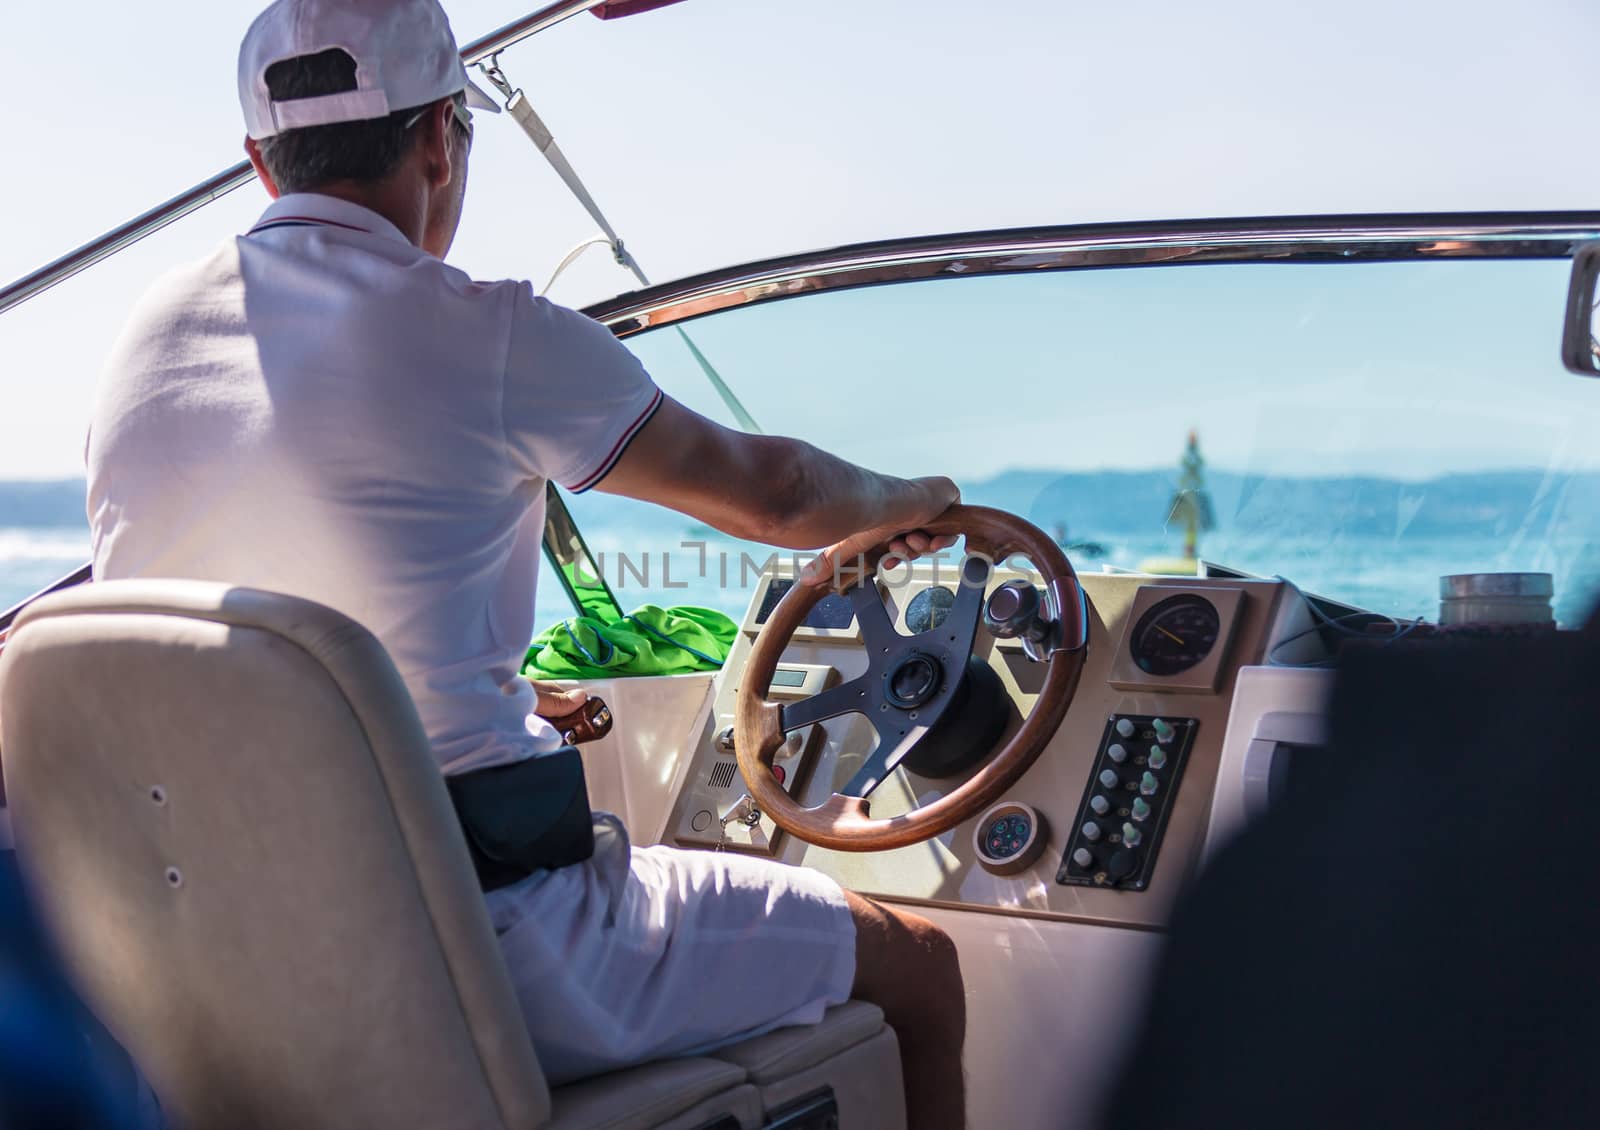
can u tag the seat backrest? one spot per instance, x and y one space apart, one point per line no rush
229 814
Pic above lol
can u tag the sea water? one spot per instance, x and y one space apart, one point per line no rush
1394 575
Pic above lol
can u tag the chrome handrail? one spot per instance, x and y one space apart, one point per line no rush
215 187
1516 235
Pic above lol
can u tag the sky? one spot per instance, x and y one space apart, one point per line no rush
718 131
1391 370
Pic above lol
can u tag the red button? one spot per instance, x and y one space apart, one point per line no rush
777 771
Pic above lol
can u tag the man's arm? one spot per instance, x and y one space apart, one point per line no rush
776 490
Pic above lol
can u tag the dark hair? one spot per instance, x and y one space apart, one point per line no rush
304 159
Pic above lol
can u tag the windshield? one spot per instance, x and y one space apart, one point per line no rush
1360 428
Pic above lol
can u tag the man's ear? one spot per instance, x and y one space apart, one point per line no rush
254 153
438 139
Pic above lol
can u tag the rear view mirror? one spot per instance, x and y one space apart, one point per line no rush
1580 340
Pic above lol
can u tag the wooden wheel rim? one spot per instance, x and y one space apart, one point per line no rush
844 823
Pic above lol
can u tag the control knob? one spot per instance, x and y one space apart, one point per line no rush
1015 611
1122 864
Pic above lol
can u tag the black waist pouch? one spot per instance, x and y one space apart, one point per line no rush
524 817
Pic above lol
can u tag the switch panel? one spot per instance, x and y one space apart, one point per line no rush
1125 805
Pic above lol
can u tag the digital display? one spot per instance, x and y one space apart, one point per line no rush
785 677
832 611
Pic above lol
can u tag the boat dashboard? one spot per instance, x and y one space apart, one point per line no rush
1113 816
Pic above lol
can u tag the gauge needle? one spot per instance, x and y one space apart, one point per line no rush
1169 635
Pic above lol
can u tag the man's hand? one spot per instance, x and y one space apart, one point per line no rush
577 715
556 701
928 498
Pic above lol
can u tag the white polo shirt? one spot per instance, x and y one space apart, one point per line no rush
323 409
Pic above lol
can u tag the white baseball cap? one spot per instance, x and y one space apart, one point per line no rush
404 52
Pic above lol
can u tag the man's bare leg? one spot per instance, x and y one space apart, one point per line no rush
907 966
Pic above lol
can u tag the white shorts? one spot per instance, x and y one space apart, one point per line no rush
642 953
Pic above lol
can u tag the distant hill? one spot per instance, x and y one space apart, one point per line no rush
1094 504
1483 504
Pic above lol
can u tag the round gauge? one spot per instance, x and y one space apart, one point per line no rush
1175 635
1009 837
928 608
1005 837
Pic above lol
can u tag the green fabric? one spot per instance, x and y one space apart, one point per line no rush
591 594
648 641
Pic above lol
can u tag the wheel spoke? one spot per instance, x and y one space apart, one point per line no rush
893 745
960 624
843 699
876 628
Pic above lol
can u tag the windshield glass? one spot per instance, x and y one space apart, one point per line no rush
1359 428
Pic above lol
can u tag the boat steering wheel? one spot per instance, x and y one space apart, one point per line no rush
911 681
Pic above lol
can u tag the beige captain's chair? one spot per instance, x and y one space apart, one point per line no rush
230 817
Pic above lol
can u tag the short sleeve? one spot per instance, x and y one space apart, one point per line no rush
574 396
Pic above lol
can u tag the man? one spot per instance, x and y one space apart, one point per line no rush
325 408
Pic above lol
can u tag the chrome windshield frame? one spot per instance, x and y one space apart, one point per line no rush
1286 239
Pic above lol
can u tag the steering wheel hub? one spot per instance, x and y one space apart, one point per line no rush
913 680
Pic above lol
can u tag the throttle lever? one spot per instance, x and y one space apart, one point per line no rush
589 723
